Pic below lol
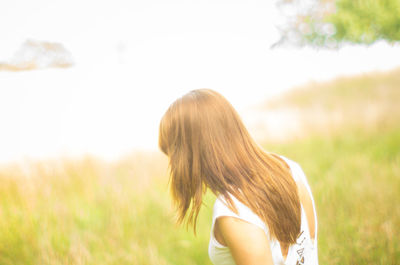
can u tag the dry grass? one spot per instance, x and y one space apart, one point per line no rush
87 211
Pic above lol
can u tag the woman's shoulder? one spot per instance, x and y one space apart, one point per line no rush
296 169
221 208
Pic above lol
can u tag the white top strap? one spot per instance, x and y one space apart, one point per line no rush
299 175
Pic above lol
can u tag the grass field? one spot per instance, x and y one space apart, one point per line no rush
87 211
355 179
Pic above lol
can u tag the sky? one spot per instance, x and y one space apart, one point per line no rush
134 58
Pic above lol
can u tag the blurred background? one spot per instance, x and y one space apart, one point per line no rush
84 84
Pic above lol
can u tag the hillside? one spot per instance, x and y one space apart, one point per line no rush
365 102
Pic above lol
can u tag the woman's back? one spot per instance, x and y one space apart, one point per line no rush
303 252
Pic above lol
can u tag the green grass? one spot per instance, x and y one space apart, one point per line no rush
90 212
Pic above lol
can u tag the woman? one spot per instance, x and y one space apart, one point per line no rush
264 212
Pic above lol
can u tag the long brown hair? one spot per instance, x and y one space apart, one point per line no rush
209 147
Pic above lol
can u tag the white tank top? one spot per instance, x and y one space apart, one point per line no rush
304 252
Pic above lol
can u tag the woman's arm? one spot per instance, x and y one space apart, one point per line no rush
247 242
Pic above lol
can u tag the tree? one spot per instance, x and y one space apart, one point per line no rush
330 23
34 54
